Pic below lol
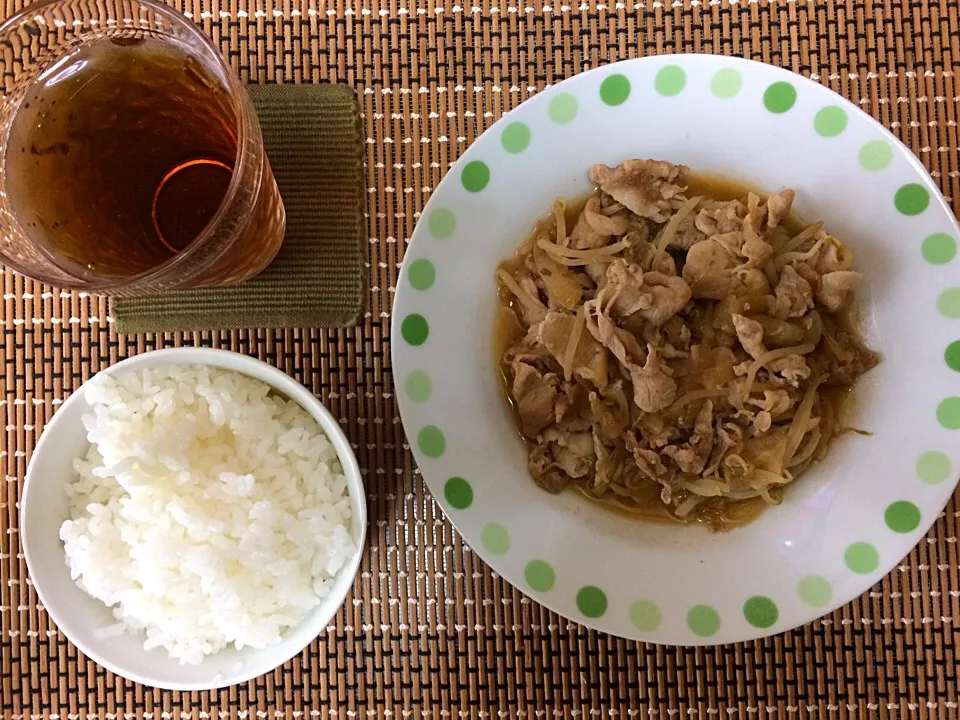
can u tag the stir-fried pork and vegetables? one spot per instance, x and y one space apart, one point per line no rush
678 353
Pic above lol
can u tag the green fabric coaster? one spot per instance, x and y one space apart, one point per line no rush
314 139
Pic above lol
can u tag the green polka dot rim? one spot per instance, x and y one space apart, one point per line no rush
431 441
939 248
952 355
645 615
912 199
515 138
615 89
933 467
415 329
422 274
861 558
474 465
703 621
814 591
563 108
495 538
441 223
418 386
760 611
876 155
540 575
830 121
948 413
902 516
670 81
592 601
475 176
780 97
726 83
458 493
949 303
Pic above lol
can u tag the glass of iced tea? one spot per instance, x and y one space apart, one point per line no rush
132 160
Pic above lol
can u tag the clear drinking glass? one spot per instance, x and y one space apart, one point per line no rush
132 160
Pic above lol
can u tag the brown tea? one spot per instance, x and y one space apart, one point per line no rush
120 155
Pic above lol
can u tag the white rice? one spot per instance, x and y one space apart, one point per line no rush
207 512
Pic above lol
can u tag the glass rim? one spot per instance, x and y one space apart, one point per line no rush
245 113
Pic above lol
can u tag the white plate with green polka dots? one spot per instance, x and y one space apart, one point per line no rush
848 520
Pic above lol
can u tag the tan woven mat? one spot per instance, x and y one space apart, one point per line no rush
429 631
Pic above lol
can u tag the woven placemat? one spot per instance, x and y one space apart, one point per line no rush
314 140
429 631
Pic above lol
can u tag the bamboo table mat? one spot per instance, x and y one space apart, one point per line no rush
429 630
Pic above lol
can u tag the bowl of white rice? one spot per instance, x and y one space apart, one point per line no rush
192 518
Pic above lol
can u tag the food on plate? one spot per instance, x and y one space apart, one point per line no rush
208 511
677 346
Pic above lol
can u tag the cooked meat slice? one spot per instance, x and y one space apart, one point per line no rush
778 208
647 460
584 236
829 259
750 335
792 368
622 344
626 289
560 457
579 442
653 388
589 359
762 422
643 186
720 217
836 289
610 410
574 461
544 469
755 250
793 296
572 409
645 255
848 358
726 437
655 430
652 468
731 241
692 456
688 234
539 357
708 270
573 452
655 296
677 332
534 395
602 224
670 295
767 216
688 458
809 274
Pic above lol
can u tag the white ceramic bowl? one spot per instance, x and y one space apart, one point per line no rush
843 525
43 508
